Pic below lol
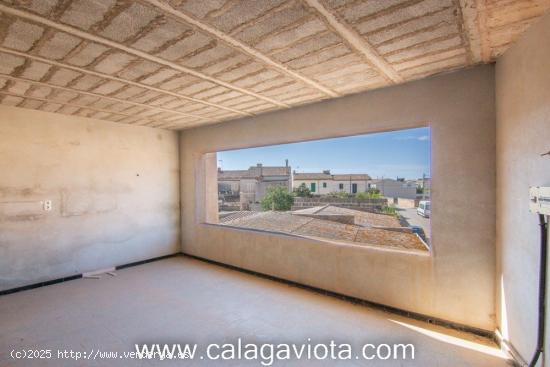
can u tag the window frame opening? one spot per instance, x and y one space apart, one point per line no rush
316 186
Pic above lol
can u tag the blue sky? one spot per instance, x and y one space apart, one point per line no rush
403 153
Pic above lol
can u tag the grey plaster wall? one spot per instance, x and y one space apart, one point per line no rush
456 281
114 191
523 133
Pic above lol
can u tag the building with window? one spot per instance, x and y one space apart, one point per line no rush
252 184
324 183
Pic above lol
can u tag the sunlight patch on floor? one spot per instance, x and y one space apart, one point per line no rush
450 339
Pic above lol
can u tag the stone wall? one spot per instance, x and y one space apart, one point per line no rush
351 203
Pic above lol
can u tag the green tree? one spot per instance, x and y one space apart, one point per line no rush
339 194
362 195
302 191
390 210
370 194
374 193
277 198
344 195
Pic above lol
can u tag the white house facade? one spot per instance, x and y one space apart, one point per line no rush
324 183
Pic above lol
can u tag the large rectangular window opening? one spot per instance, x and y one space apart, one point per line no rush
366 190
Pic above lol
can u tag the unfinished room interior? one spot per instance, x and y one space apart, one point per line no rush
128 238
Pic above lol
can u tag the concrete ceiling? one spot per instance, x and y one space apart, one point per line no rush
181 63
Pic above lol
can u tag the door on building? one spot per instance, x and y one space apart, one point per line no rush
354 188
313 187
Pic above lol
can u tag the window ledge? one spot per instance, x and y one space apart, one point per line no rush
321 240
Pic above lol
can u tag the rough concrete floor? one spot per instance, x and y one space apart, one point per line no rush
185 300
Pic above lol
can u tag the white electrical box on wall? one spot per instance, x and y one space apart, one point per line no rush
47 205
539 200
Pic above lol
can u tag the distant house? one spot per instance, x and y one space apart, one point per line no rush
325 182
394 188
252 184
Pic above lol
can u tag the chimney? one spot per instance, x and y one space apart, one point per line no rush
286 162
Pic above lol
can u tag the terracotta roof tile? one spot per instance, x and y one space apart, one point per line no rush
286 222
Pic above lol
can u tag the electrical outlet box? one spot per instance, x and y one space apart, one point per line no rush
539 200
47 205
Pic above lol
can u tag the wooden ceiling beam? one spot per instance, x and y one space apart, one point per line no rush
474 22
128 82
241 46
121 47
357 42
45 100
102 96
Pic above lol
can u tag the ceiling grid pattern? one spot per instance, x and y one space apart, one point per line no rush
177 64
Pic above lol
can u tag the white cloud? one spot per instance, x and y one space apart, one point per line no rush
419 138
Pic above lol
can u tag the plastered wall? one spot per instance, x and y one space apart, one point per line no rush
523 133
456 282
114 192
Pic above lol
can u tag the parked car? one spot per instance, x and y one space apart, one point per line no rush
424 209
